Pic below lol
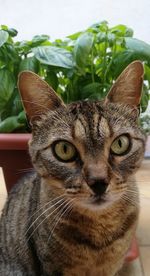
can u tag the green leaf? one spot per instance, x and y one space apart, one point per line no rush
54 56
12 32
22 119
3 37
100 26
129 32
145 98
12 54
140 48
136 50
29 63
51 79
120 61
11 107
82 49
147 72
122 31
92 91
4 27
101 37
17 103
10 124
38 40
23 47
74 36
7 85
111 38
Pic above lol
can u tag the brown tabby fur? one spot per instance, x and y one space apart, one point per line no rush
52 224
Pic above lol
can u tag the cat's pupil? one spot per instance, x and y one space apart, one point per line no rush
65 148
120 143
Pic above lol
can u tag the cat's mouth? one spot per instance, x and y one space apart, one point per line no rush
88 197
97 199
92 201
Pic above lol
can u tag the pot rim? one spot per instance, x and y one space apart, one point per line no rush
14 141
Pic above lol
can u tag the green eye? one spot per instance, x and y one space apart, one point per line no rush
120 145
64 151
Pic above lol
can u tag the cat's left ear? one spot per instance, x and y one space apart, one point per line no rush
128 87
37 96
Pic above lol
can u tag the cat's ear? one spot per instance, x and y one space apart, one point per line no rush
37 96
128 87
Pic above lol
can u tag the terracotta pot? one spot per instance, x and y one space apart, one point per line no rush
14 157
133 252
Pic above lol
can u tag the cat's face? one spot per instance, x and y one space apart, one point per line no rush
88 150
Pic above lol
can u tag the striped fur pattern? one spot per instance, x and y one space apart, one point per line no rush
52 223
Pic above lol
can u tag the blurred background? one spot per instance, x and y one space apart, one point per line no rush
60 18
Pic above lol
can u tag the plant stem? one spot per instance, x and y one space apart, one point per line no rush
105 59
111 61
92 67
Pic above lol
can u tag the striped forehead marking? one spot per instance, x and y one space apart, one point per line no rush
104 129
80 128
93 127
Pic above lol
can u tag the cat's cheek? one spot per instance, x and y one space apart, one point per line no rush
129 165
53 184
41 170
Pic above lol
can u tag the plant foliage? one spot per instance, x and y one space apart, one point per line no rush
82 66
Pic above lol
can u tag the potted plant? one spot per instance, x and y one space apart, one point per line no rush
84 65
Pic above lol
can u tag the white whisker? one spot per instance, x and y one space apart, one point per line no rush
44 220
44 211
25 170
58 218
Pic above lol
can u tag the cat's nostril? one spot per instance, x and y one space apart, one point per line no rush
98 186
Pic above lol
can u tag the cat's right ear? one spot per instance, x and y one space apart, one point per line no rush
37 96
127 89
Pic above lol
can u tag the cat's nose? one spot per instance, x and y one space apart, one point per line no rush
96 176
98 185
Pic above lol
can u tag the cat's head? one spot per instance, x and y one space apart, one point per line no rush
87 150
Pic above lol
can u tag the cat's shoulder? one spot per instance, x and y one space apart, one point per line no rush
25 190
24 183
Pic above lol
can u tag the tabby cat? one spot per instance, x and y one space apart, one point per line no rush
77 212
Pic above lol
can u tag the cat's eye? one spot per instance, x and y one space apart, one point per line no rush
64 151
120 145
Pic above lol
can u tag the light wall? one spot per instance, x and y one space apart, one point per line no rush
59 18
